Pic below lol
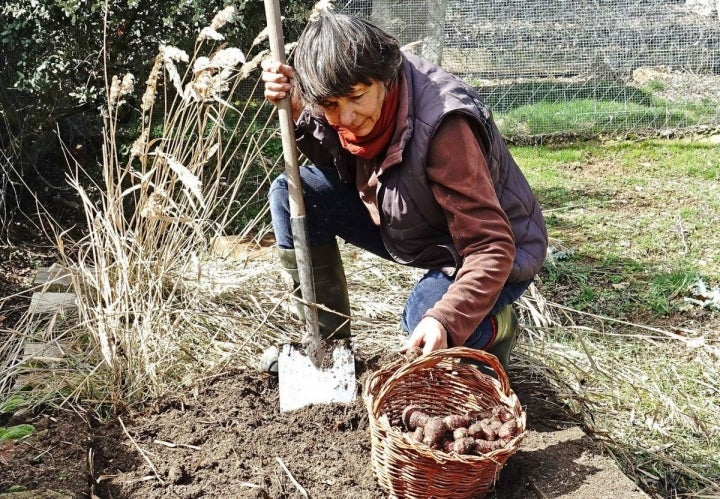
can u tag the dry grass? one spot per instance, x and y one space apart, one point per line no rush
157 307
9 150
144 324
649 394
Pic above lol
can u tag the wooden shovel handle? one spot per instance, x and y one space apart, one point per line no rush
292 172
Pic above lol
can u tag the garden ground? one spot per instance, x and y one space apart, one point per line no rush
225 437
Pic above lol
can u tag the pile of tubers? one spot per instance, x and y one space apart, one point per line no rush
475 433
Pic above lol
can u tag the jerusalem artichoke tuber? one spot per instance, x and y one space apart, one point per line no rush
434 431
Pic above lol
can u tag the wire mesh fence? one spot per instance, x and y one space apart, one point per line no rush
571 66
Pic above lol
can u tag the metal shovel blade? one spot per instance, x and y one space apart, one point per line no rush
301 383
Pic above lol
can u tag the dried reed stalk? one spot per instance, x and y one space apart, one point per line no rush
149 318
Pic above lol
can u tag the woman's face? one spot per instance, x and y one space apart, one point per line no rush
357 112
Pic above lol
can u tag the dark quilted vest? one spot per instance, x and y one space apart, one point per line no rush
413 225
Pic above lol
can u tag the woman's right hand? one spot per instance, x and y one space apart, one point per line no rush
278 80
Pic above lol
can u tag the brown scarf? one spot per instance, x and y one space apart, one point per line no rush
377 140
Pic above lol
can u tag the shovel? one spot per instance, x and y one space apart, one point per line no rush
317 375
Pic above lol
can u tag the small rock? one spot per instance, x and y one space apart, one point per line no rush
176 474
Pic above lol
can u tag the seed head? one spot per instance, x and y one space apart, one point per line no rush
148 98
207 33
223 17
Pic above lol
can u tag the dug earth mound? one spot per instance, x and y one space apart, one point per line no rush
227 438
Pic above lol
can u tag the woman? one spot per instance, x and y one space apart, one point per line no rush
408 164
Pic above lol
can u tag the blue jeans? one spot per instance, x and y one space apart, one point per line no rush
334 208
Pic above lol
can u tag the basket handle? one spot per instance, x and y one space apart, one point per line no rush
433 358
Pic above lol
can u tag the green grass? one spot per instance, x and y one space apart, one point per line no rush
14 488
665 289
15 432
633 227
653 201
12 404
548 108
588 117
654 86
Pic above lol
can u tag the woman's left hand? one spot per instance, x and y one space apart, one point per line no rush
429 335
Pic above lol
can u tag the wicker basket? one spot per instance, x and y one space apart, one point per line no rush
440 383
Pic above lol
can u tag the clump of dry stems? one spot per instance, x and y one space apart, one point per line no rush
139 267
649 394
148 316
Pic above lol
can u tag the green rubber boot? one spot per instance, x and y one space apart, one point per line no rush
330 288
506 337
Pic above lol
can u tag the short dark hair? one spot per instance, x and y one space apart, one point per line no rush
337 51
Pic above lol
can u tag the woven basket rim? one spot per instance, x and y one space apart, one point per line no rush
401 368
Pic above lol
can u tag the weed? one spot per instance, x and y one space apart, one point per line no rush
15 488
16 432
11 404
654 86
665 289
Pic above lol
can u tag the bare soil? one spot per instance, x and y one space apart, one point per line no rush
225 437
228 439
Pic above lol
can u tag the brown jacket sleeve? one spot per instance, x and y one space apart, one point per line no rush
461 183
